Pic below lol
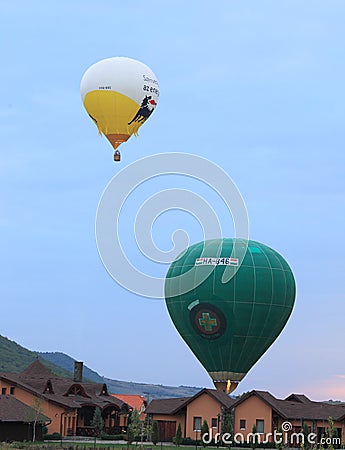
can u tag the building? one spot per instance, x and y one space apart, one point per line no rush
260 408
69 403
269 414
18 421
67 406
135 402
190 412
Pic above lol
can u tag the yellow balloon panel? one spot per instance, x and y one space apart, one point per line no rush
113 113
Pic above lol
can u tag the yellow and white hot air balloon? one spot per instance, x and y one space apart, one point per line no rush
119 94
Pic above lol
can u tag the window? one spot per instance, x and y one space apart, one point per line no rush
197 423
242 424
12 390
104 390
49 388
3 391
76 389
260 426
214 422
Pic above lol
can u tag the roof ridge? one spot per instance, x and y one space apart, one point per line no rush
37 369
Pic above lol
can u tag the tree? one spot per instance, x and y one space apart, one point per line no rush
178 435
148 428
154 432
253 437
204 430
279 444
34 417
135 427
227 423
237 397
97 422
226 426
305 432
331 433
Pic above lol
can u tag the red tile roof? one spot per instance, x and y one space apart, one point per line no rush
135 401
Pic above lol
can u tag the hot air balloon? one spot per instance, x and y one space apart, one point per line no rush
229 299
119 94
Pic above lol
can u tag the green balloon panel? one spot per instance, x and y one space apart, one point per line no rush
230 321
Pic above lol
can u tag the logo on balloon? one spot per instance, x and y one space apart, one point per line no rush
146 109
208 321
112 209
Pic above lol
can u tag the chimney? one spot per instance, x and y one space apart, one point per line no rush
78 371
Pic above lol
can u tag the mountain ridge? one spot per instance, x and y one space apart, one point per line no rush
154 391
15 358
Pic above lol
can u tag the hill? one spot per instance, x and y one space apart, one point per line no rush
151 391
154 391
15 358
67 363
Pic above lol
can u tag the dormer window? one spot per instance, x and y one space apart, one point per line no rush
76 389
104 390
49 388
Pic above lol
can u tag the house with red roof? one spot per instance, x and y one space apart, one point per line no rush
137 402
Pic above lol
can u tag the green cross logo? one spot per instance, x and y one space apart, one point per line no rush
207 322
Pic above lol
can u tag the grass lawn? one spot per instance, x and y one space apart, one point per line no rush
70 445
56 445
66 445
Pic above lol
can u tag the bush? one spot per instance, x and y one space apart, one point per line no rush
155 432
189 441
113 437
51 437
204 430
177 440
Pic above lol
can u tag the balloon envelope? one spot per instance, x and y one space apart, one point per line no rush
229 321
119 95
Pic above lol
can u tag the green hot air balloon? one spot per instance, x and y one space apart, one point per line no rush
229 299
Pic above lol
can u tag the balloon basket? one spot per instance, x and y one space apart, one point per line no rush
225 386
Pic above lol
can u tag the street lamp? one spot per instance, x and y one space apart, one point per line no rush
218 426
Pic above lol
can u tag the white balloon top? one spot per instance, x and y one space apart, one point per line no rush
121 74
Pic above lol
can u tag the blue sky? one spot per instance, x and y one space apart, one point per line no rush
257 88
